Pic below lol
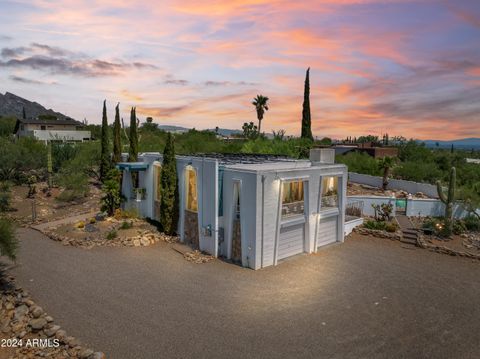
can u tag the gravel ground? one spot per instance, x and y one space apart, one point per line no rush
366 298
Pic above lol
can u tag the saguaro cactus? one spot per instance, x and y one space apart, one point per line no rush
448 200
49 165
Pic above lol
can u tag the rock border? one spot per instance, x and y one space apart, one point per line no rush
21 317
394 236
422 243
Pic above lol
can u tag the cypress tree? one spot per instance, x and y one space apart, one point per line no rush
133 152
105 144
169 189
306 116
117 141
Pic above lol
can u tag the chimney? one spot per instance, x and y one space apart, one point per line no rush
322 155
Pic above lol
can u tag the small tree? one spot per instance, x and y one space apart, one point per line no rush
261 105
8 240
306 115
169 189
133 137
111 188
386 164
105 153
117 140
250 130
49 165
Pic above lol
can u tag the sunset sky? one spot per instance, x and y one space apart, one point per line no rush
408 68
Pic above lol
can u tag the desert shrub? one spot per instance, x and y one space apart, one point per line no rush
391 227
92 220
112 234
383 212
378 225
75 184
8 240
112 199
472 223
126 225
80 224
5 196
360 163
459 227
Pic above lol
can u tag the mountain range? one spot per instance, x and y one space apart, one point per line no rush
463 143
13 105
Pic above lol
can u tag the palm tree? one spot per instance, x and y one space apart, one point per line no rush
261 105
386 164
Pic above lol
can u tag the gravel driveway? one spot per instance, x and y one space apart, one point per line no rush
367 298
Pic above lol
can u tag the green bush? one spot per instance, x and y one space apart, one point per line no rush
112 235
378 225
126 225
8 240
5 196
459 227
360 163
112 199
472 223
391 227
75 184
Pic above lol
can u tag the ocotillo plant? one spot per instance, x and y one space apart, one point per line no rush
49 165
448 200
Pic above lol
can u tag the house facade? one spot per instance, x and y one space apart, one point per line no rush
67 130
254 210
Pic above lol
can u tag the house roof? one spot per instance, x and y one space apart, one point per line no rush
243 158
50 122
36 121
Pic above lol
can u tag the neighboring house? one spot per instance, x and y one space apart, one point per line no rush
473 160
67 130
253 209
369 148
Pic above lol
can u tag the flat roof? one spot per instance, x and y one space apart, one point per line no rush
244 158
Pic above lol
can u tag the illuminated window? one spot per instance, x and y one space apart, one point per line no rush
293 199
329 192
191 186
158 174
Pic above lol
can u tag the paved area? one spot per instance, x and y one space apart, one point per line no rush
66 220
367 298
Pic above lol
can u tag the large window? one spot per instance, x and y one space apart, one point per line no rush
329 192
293 203
158 182
191 189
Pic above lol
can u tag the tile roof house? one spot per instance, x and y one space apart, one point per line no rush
64 130
256 210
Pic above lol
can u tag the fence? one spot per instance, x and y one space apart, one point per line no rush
407 186
415 207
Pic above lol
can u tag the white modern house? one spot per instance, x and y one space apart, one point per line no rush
63 130
256 210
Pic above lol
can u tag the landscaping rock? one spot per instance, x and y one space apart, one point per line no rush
144 241
49 332
100 216
61 335
37 311
20 312
37 324
85 353
97 355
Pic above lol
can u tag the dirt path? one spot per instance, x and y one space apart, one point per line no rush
59 222
366 298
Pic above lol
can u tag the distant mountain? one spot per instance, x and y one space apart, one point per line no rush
463 143
171 128
12 105
179 129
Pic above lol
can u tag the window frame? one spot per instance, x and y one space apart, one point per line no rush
190 169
